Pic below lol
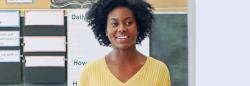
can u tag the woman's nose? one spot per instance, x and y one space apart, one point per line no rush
122 28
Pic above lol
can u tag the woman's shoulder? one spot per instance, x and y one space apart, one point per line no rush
160 70
89 69
94 63
157 64
91 65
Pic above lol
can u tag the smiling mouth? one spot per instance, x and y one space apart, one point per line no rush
121 38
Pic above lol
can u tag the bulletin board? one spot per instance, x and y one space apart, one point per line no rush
169 43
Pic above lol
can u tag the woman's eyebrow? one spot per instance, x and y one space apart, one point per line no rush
116 19
128 18
113 19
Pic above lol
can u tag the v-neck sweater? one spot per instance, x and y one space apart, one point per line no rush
152 73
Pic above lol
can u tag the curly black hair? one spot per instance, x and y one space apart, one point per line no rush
98 13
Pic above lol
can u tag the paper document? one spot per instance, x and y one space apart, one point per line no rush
44 44
44 17
44 61
9 18
9 55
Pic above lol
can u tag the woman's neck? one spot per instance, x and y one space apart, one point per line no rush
124 56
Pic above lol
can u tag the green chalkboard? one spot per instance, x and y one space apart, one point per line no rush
168 43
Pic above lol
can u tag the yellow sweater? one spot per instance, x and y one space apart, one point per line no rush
152 73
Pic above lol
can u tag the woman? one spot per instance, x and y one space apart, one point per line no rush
121 24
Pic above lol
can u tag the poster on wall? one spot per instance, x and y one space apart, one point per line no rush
83 47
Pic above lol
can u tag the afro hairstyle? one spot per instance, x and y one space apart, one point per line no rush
97 16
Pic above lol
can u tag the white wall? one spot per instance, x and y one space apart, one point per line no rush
222 42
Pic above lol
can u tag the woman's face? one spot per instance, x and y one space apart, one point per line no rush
121 28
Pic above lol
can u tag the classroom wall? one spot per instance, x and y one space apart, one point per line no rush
222 42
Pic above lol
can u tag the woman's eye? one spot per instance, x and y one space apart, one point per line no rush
114 24
128 23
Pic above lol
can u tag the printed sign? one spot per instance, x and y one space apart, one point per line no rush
9 55
9 18
9 38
